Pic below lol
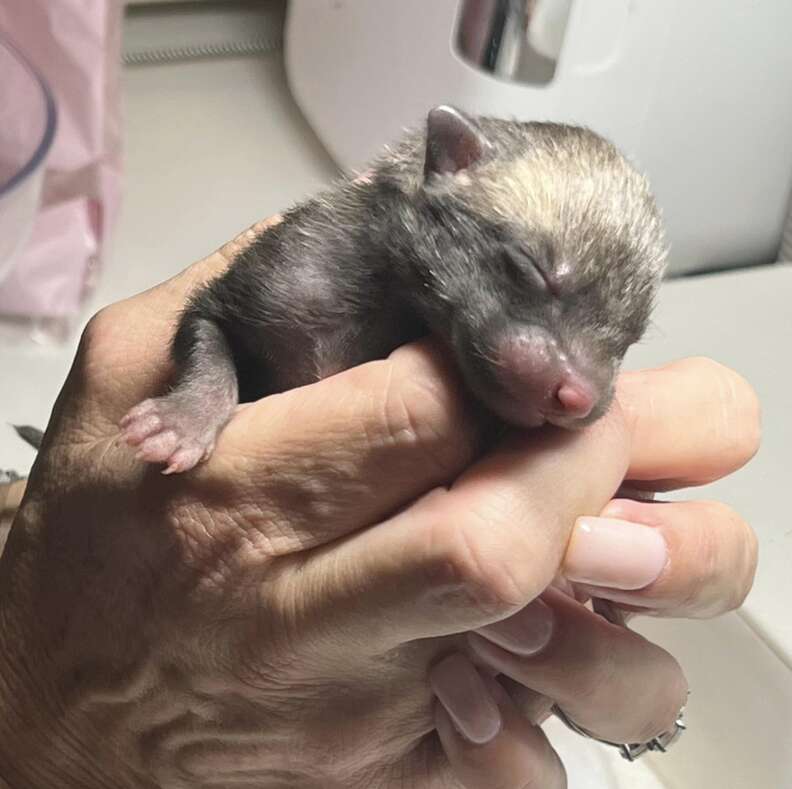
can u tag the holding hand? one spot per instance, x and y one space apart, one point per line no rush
267 620
691 422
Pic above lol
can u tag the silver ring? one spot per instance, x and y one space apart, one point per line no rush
632 750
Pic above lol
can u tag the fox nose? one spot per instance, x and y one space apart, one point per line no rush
536 373
575 398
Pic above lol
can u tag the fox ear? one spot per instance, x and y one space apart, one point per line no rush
453 142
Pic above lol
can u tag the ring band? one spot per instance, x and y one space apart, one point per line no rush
630 751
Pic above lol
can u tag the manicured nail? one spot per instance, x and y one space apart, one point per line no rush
463 693
526 633
614 553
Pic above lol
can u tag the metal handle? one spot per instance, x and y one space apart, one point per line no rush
515 40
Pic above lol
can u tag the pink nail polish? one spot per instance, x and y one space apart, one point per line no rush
615 553
525 633
461 690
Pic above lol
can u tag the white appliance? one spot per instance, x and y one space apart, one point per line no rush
698 94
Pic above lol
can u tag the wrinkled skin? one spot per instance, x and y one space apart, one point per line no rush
267 620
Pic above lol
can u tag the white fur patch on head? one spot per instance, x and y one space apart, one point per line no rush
573 187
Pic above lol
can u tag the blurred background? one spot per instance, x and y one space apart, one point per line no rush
137 138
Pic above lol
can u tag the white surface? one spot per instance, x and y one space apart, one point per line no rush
739 713
743 319
212 147
739 666
696 92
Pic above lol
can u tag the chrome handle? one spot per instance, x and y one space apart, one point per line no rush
515 40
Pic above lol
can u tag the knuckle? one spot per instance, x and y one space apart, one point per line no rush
97 329
98 342
417 414
461 567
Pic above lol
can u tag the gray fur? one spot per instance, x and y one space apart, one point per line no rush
368 265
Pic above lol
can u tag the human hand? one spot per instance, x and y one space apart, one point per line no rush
687 558
267 619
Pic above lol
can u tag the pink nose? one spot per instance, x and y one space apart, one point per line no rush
537 376
575 398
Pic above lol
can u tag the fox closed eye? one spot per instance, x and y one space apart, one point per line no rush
525 271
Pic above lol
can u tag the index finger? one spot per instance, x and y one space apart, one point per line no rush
692 421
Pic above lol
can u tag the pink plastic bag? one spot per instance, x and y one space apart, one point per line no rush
75 45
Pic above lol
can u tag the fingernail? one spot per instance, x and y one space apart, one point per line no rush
469 704
615 553
526 633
